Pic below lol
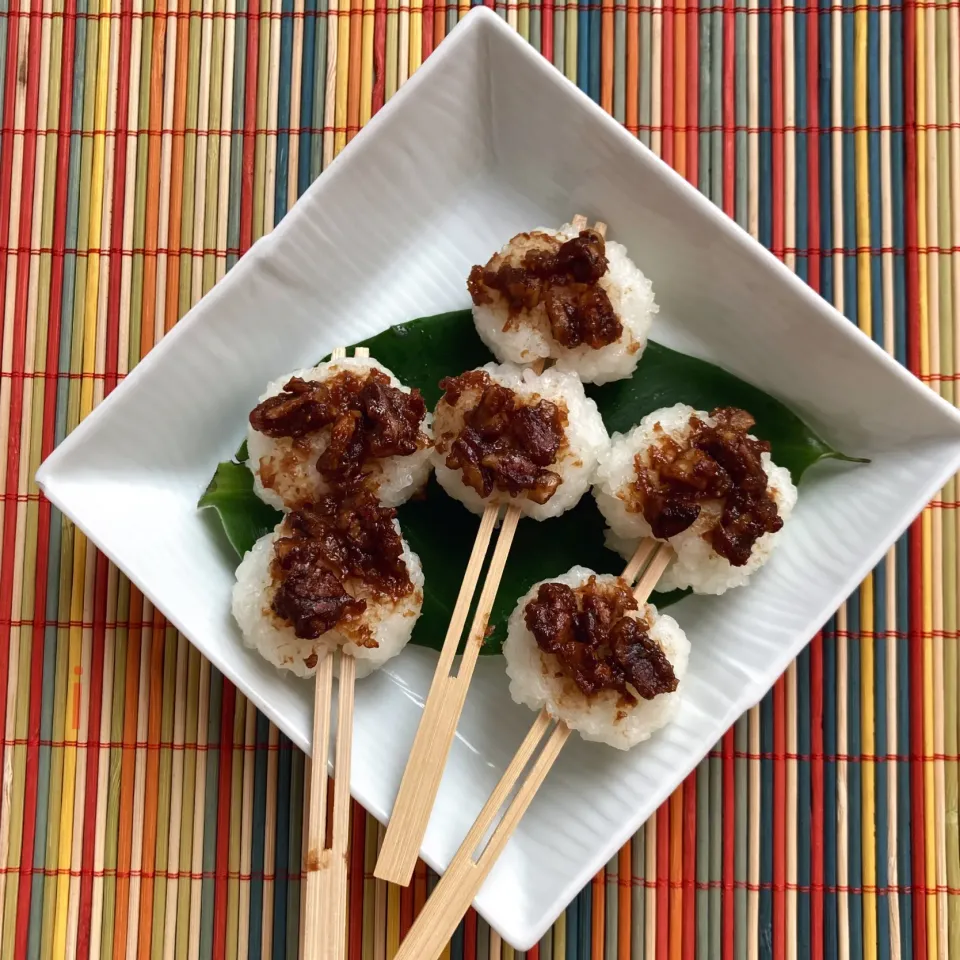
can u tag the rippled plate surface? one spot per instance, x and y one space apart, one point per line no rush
488 139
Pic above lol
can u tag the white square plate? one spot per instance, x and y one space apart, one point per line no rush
487 139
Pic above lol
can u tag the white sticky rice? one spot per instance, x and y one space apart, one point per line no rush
285 471
697 565
390 622
528 337
586 438
602 717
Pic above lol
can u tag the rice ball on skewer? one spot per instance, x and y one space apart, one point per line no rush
507 435
333 574
582 648
341 424
704 485
564 294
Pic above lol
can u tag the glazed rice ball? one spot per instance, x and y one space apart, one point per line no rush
285 467
697 563
521 333
579 434
382 632
540 681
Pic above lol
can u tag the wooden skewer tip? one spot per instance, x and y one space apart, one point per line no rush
579 222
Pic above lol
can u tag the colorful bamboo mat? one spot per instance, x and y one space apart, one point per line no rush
146 809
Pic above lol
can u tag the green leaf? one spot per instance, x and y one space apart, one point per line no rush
245 517
442 531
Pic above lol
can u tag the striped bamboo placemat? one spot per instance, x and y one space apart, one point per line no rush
146 809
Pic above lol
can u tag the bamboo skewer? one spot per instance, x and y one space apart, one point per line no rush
444 704
325 919
428 756
467 871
